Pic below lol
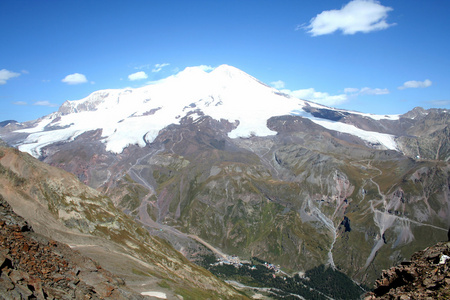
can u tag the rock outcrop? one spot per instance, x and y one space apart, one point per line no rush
35 267
426 276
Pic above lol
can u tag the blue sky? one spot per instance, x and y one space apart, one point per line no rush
383 57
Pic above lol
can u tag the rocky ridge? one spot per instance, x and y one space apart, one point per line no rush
425 276
35 267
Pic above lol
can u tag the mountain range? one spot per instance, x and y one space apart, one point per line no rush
219 162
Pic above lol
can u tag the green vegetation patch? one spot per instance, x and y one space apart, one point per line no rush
333 283
319 283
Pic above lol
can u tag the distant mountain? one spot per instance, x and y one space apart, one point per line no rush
7 122
223 161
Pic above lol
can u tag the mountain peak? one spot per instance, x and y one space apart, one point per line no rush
218 74
229 70
135 116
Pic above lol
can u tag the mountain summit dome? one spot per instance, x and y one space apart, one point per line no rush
136 115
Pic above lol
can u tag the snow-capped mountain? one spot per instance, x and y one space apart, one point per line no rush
135 116
225 160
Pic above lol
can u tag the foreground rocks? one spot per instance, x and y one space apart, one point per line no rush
34 267
426 276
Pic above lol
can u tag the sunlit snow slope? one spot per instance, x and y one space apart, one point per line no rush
135 116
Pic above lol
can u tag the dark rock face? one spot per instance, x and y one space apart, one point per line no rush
34 267
4 123
328 114
426 276
346 224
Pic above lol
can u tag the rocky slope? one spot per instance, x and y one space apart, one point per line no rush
425 276
59 207
428 136
300 199
34 267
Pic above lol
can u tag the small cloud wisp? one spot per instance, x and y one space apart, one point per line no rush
75 78
7 75
414 84
137 76
158 67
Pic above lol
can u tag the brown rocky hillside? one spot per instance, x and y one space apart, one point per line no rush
35 267
426 276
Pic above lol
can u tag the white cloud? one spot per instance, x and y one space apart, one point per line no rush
366 91
137 76
356 16
300 26
6 75
158 67
351 90
331 100
75 78
371 91
146 66
44 103
439 103
279 84
415 84
318 97
20 103
206 68
159 80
